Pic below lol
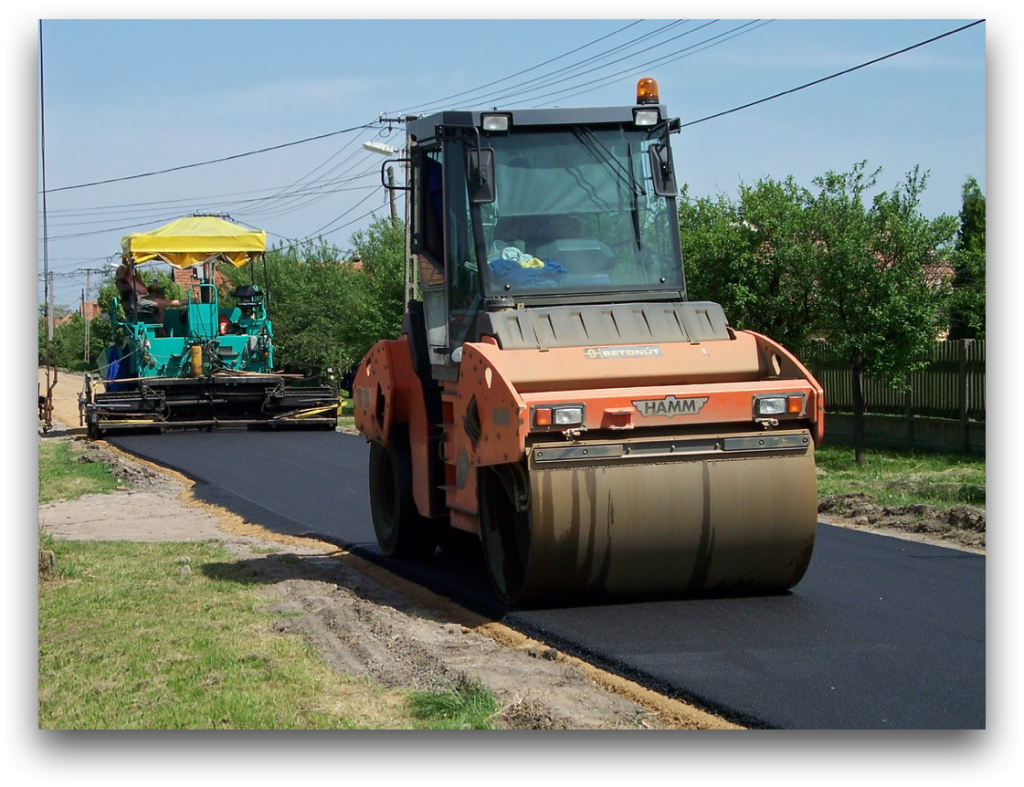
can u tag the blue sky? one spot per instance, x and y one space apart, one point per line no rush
124 98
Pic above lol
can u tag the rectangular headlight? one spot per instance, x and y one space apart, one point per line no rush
497 124
771 405
558 416
645 117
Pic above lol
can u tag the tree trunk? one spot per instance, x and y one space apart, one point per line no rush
858 407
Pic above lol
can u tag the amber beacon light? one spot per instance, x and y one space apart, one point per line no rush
647 91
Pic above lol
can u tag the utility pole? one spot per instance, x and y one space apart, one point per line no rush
81 309
411 271
49 305
85 317
410 262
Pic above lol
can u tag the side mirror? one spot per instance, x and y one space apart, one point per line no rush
481 175
387 179
663 171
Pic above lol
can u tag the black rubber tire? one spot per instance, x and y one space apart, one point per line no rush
459 545
505 537
401 531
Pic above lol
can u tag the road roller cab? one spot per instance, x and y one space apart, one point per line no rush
554 392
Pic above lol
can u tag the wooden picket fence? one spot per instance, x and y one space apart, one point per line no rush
951 386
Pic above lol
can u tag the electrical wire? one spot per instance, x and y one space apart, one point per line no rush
306 191
831 76
564 73
212 161
518 73
297 198
677 55
548 80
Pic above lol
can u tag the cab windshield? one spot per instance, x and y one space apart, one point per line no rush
576 210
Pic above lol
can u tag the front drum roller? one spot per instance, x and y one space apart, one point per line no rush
684 527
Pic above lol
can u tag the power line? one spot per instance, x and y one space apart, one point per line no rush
144 214
370 125
551 77
294 197
547 80
831 76
707 43
211 161
524 71
297 198
313 138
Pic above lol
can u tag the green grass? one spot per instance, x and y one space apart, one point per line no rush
346 412
467 705
903 478
126 641
62 476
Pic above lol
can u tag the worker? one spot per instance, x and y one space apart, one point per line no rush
225 326
137 297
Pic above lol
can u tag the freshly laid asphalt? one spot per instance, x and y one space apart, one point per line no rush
882 633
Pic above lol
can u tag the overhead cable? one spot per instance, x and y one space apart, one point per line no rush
831 76
212 161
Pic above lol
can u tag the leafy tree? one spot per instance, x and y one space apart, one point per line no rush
378 300
59 310
878 309
971 235
307 286
790 262
70 343
967 305
754 258
327 312
67 345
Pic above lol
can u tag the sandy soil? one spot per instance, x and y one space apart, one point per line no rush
365 621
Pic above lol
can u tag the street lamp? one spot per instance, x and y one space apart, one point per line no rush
389 150
386 150
380 147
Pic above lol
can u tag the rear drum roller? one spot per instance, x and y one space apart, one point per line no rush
401 531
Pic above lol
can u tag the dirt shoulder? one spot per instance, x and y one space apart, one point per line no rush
365 621
957 527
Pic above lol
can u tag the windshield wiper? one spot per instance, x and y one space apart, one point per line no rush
635 212
605 157
625 177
